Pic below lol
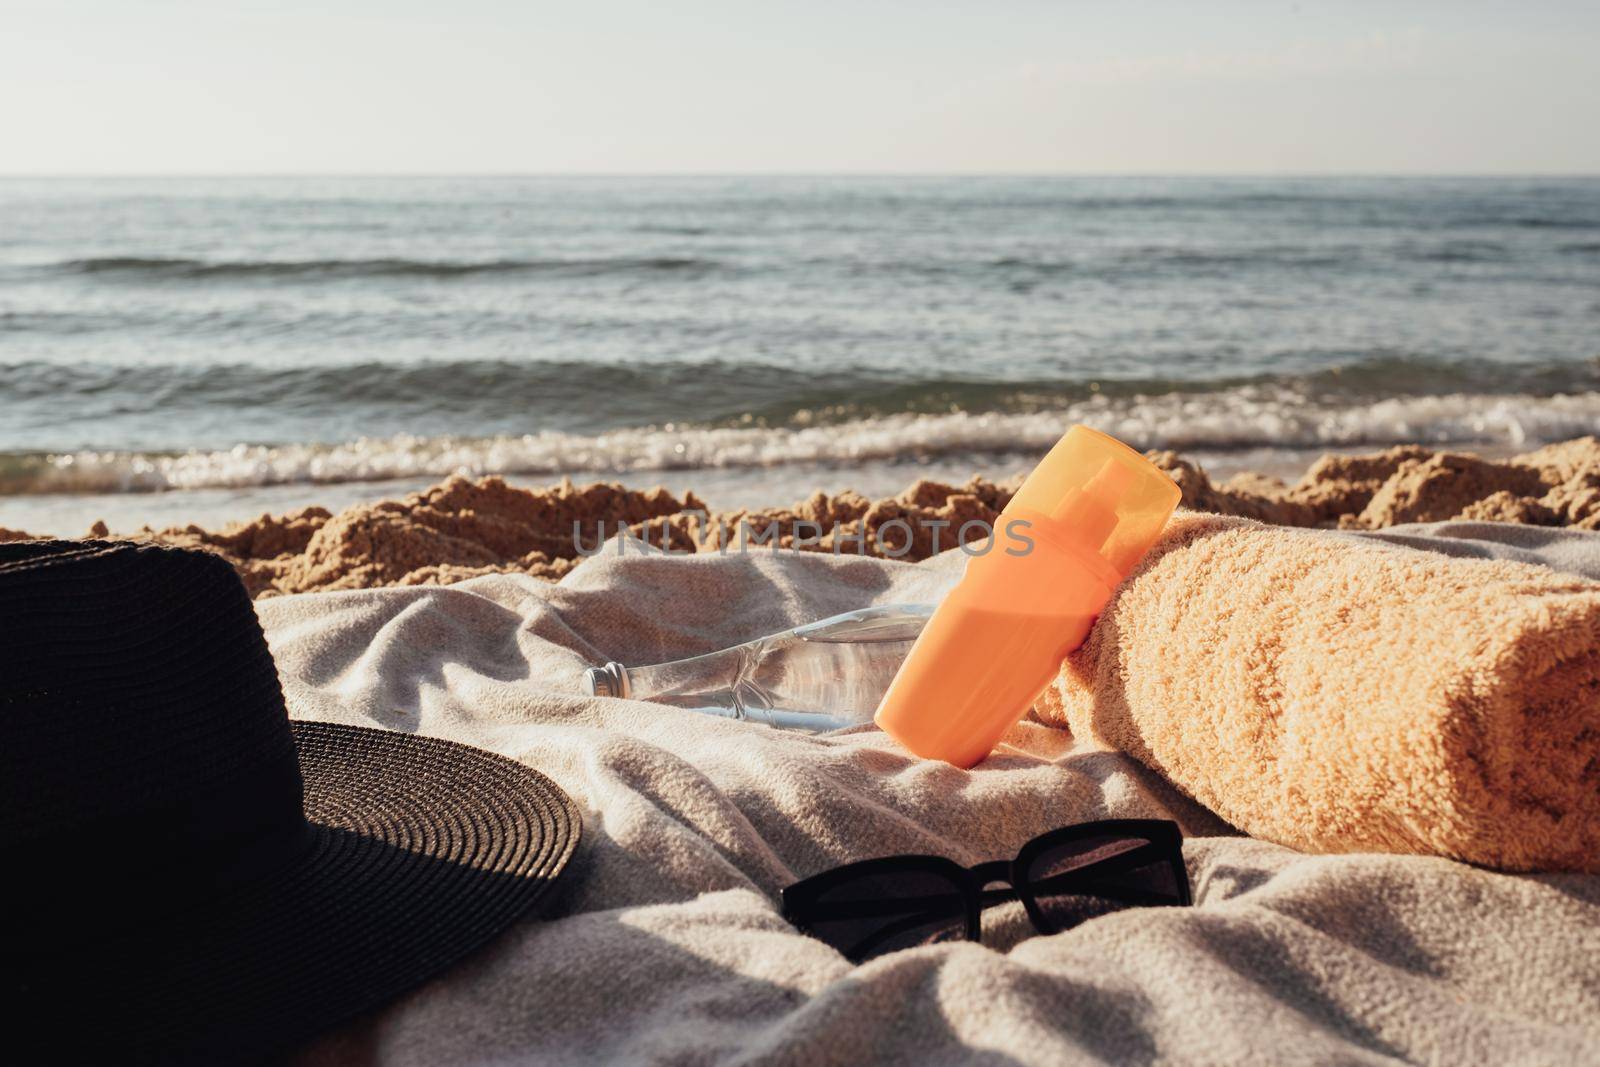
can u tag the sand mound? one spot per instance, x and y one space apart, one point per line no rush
462 528
1558 485
456 530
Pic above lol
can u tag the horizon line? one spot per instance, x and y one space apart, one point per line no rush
532 174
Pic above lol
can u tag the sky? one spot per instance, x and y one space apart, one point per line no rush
763 86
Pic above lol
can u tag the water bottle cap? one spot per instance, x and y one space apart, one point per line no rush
608 681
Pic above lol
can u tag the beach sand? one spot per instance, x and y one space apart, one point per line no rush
462 528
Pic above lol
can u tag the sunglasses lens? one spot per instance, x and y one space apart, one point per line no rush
880 913
1081 879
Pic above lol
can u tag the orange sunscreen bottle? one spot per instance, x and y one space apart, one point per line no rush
1084 518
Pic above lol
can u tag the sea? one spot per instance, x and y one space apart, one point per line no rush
177 350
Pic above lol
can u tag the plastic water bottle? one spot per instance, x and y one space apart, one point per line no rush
822 676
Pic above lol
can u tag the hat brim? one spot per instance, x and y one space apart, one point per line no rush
423 850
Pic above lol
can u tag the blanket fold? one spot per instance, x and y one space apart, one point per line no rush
666 945
1336 694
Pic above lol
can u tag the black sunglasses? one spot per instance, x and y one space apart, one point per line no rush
1063 877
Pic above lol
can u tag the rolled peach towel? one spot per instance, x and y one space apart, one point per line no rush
1341 695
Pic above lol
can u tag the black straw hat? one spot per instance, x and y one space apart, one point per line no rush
190 875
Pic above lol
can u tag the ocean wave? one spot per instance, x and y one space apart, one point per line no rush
160 268
510 395
505 394
1460 252
1544 222
1137 260
1243 418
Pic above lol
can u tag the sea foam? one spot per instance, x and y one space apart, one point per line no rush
1250 417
